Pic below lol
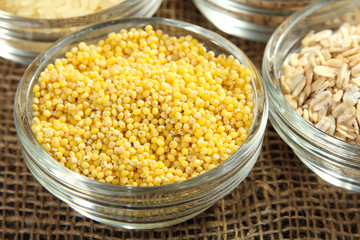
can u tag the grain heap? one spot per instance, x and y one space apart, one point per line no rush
322 81
142 108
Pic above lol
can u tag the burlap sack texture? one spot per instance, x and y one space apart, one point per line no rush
280 199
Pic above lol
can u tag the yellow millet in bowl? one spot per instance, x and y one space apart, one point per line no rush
142 108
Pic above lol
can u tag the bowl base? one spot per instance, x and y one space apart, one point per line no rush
137 225
8 51
330 177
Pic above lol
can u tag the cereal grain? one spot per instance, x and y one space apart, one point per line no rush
321 81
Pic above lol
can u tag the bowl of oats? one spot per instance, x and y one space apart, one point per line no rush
311 68
29 27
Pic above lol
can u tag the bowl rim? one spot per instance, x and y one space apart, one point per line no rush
256 7
247 2
257 128
298 122
66 22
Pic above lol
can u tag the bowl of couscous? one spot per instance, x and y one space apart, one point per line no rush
29 27
311 70
141 123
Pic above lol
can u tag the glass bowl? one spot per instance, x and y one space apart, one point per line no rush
22 39
138 207
335 160
249 19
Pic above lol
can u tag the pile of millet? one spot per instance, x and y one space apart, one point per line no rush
142 108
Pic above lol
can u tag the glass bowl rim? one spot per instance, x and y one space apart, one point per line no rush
273 1
251 7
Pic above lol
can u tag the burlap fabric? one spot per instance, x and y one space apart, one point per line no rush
280 199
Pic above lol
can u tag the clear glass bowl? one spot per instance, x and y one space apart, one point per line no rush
336 161
249 19
138 207
22 39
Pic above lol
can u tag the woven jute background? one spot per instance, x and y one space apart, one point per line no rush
280 199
